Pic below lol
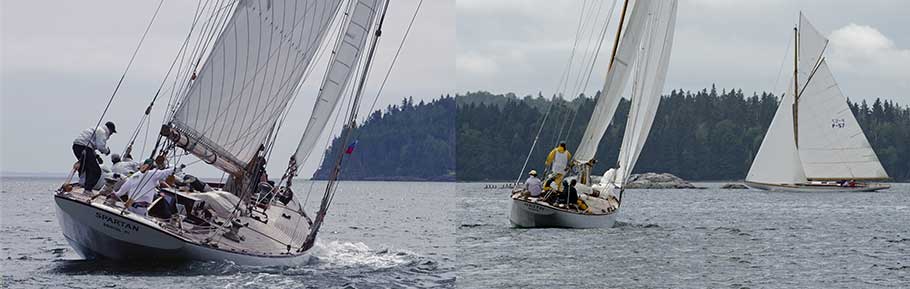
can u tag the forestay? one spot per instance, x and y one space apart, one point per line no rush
648 83
617 76
777 160
831 142
347 53
249 76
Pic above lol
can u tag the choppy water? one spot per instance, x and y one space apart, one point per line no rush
378 235
707 238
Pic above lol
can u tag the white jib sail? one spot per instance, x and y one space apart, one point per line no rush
651 73
831 142
617 76
250 75
777 160
344 60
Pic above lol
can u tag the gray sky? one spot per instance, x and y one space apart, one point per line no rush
522 46
61 59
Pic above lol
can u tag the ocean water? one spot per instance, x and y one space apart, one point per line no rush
708 238
377 235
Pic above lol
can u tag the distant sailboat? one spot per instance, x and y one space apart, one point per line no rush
645 45
227 116
814 143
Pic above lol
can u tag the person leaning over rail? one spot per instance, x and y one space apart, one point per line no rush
84 147
559 159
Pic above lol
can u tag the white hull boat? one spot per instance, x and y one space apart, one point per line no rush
226 111
645 45
103 231
532 213
814 142
817 187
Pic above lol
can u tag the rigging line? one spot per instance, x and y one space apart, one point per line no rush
603 35
783 62
395 59
565 73
534 143
128 65
183 79
586 52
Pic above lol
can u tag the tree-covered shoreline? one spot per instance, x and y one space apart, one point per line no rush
406 142
702 135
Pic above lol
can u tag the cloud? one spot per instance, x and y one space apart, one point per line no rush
862 52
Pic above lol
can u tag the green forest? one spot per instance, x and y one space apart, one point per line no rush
701 135
409 142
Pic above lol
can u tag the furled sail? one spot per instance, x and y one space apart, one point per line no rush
831 142
650 75
347 53
777 160
249 77
617 76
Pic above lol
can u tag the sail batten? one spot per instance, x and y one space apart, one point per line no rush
250 75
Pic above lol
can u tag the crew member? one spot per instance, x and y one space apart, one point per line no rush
559 159
140 188
84 147
532 184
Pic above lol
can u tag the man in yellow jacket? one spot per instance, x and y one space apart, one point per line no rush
559 159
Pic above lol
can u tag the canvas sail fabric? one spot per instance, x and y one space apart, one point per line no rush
811 47
648 83
777 160
617 76
347 53
832 145
250 75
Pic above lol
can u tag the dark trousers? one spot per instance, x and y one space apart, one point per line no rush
88 165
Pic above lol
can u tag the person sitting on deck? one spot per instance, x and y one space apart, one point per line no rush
140 187
532 184
559 159
84 147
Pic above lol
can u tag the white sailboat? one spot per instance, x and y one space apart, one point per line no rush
227 115
645 45
814 142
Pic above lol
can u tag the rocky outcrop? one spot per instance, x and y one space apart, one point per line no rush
657 181
734 187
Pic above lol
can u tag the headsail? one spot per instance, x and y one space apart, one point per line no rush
248 78
347 53
777 160
811 47
831 143
651 73
617 76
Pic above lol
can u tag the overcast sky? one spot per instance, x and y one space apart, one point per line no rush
522 46
61 59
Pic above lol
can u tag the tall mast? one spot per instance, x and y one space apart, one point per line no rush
795 86
622 18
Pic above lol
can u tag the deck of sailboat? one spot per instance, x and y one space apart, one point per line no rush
259 238
596 205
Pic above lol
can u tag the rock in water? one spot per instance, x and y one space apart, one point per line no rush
734 187
657 181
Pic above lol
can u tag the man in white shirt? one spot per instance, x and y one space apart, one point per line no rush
532 184
140 188
125 166
84 147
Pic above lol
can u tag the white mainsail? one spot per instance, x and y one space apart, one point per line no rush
777 160
347 53
617 76
832 145
651 73
249 77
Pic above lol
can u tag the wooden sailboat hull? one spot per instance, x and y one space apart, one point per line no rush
97 231
528 214
815 188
